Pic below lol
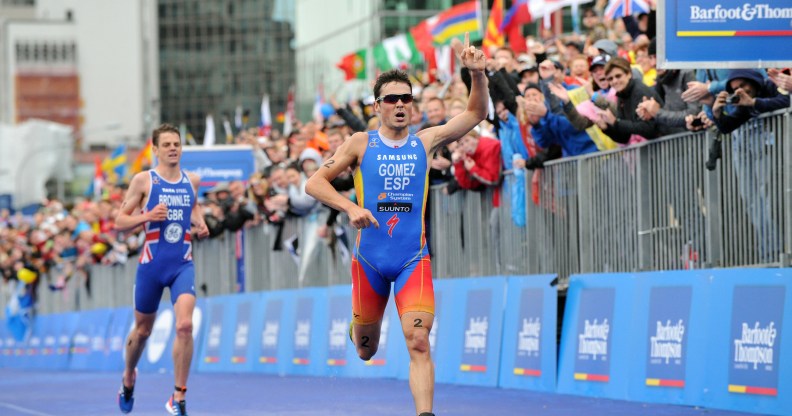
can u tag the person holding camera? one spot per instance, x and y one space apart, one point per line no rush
747 94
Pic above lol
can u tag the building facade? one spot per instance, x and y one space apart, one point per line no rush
216 56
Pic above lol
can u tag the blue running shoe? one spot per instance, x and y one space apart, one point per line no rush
126 398
176 408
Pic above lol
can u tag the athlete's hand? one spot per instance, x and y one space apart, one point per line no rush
472 58
159 213
361 218
200 230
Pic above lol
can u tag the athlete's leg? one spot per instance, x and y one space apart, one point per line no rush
183 344
136 342
414 294
416 327
369 297
146 297
183 297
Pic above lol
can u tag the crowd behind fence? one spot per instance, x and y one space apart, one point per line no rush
648 207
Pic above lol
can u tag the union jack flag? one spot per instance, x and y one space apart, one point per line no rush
152 237
188 243
621 8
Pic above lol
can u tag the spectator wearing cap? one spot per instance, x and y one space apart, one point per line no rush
548 128
529 73
623 126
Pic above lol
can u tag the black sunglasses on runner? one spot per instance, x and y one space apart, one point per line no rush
394 98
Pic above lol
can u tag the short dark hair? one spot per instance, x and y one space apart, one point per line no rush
394 75
163 128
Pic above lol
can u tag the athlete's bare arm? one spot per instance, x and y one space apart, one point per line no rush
133 202
474 60
199 228
319 187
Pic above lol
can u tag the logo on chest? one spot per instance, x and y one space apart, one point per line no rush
173 233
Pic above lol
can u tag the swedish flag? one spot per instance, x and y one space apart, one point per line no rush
114 166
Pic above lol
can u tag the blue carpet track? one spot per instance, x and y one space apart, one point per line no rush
38 393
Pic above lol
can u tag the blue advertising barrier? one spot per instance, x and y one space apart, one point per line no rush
36 353
218 164
473 342
749 359
708 338
115 340
65 324
670 337
227 347
4 352
595 356
528 350
87 341
270 350
307 325
723 34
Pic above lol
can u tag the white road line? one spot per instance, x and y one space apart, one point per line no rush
23 410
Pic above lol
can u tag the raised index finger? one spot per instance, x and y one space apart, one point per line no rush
467 40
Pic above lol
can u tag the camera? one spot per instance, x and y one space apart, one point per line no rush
696 122
733 99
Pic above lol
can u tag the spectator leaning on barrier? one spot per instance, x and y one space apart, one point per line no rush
550 129
748 94
477 161
623 126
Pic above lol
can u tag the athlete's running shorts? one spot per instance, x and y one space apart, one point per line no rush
152 279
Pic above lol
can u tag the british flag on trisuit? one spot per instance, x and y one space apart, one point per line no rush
620 8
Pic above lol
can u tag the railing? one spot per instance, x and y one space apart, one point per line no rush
647 207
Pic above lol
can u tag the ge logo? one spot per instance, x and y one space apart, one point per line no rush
173 233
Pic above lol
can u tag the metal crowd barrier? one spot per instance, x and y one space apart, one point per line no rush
648 207
653 206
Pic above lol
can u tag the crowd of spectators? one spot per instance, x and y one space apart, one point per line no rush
569 95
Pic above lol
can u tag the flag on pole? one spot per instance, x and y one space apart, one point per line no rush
238 117
229 135
288 116
317 108
494 35
114 166
621 8
454 22
209 133
396 51
265 126
144 159
353 65
95 187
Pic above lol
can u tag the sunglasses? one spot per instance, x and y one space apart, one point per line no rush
394 98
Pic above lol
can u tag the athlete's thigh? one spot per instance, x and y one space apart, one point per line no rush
183 282
369 294
148 289
413 288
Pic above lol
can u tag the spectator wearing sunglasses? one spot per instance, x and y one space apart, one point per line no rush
626 127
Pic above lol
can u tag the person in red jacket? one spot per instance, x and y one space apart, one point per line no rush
477 161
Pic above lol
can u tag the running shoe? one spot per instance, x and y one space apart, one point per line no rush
176 408
126 397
